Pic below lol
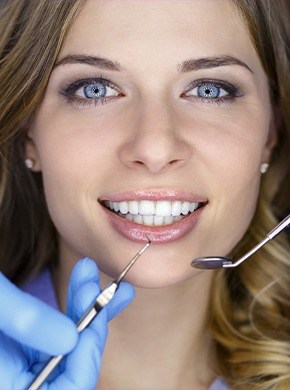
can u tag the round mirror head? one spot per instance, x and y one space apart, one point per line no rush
210 262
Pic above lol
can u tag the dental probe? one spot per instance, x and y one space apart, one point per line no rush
101 301
225 262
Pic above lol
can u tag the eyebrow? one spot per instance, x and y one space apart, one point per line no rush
99 62
184 67
210 62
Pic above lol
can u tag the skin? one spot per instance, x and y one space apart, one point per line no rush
154 136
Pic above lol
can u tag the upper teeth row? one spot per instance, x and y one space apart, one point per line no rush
162 208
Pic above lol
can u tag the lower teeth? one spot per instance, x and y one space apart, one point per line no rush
151 220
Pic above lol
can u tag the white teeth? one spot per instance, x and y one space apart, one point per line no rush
193 206
185 208
148 220
129 217
124 208
148 212
147 207
158 221
176 208
163 208
138 218
133 207
168 220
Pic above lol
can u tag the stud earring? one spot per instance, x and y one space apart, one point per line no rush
29 163
264 167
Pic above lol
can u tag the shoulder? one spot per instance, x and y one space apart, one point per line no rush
42 287
219 384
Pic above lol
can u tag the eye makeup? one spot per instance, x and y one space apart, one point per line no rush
212 91
93 91
95 87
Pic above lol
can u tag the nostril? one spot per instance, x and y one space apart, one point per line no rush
135 164
155 157
174 162
156 165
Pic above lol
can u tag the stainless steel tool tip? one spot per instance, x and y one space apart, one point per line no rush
210 262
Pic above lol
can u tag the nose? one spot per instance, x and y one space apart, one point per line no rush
155 142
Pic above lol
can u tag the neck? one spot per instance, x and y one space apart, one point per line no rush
161 340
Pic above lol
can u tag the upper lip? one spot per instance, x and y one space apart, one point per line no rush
154 194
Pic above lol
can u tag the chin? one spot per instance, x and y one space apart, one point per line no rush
159 267
153 276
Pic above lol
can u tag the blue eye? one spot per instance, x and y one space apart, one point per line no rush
207 91
90 91
97 90
93 91
212 91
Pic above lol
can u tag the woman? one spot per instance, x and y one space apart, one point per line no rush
127 119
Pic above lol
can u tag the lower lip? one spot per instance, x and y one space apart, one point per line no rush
158 234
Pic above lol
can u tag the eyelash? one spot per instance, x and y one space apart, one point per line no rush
69 90
232 91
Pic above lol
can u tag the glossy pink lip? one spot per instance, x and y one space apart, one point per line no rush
154 195
158 234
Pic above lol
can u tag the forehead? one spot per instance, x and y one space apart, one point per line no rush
152 30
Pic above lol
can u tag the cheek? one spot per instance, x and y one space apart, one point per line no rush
238 168
76 156
230 144
73 147
228 151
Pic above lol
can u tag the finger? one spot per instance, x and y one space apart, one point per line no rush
84 271
11 359
34 323
14 365
124 295
83 299
87 294
83 364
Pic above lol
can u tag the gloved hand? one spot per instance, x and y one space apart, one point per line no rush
30 330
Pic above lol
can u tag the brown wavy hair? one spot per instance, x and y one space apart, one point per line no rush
250 316
31 35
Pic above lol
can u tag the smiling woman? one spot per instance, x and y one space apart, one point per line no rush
123 120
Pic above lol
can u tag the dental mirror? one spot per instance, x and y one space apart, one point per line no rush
225 262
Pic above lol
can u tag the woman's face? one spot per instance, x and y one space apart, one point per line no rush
159 108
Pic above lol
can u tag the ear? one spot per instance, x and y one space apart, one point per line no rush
31 153
272 138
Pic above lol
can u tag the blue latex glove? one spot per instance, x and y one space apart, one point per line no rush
30 330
